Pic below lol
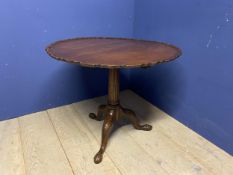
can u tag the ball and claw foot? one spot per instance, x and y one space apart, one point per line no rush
94 117
98 157
145 127
99 116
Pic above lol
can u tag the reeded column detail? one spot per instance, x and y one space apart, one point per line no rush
113 87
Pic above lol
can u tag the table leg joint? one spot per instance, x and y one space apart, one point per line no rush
110 114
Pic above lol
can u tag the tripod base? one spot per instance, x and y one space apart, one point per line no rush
110 114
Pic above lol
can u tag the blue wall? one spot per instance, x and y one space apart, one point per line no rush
197 89
31 81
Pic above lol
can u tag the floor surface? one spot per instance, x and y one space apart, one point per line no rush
64 140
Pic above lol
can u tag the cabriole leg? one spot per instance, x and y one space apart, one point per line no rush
107 126
131 116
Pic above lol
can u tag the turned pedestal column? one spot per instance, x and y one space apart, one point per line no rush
112 112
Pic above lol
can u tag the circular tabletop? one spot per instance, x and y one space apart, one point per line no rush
112 52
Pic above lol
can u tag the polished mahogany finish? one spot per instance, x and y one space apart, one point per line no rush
112 112
113 53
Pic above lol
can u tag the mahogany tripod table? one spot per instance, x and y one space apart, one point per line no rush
113 54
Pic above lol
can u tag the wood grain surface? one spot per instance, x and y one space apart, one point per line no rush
79 144
11 153
112 52
43 153
64 140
